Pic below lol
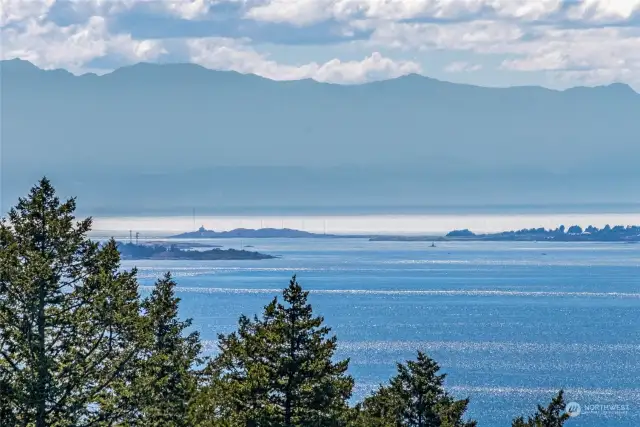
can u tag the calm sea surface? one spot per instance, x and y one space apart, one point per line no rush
510 323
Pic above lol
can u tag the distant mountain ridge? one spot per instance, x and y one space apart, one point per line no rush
262 233
21 66
151 134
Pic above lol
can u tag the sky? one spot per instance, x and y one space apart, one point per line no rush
552 43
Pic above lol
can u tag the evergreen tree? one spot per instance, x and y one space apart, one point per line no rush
278 370
68 316
379 410
164 384
415 397
235 384
551 416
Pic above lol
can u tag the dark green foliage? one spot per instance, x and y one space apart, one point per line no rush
551 416
160 252
7 415
68 317
164 384
414 397
278 370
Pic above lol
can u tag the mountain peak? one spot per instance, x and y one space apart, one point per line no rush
418 78
622 88
26 69
181 69
18 64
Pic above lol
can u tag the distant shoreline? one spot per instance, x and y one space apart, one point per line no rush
135 252
358 226
574 233
619 233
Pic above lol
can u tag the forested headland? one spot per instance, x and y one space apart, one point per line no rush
172 252
80 346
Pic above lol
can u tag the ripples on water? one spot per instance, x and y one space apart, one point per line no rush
273 291
510 323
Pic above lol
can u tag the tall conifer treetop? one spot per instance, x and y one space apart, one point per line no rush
553 415
415 397
69 317
278 370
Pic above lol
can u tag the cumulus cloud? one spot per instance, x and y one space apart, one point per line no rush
577 49
234 55
604 54
592 41
474 35
584 56
50 46
190 9
308 12
604 10
29 34
305 12
373 67
595 38
19 10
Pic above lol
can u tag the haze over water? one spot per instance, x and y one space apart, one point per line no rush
363 224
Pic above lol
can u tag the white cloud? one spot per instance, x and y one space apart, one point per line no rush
190 9
305 12
19 10
373 67
603 54
462 67
228 54
50 46
594 55
300 12
604 10
36 38
523 35
102 8
472 35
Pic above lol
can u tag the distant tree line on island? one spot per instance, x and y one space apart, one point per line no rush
574 233
79 347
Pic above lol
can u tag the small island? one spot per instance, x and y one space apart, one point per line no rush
131 251
248 233
619 233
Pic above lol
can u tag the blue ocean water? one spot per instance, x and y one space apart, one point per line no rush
510 323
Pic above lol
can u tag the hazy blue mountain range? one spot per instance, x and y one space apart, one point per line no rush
166 138
261 233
